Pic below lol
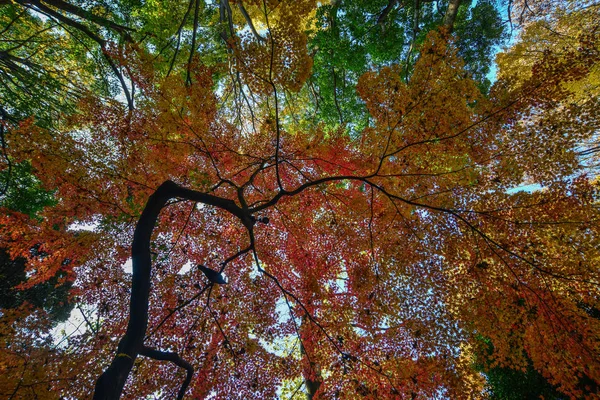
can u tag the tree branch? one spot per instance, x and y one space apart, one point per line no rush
179 30
111 383
451 13
175 359
249 22
386 11
3 120
188 79
82 28
225 17
80 12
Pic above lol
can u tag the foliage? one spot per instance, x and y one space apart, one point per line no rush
507 383
43 68
353 37
50 295
24 193
28 313
480 30
362 265
571 25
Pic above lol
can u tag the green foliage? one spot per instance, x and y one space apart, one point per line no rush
353 37
43 69
512 384
480 30
346 45
25 193
167 31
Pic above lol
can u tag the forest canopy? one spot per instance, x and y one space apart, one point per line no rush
286 199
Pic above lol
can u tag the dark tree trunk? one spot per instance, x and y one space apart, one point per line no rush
109 385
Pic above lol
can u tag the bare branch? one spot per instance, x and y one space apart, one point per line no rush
175 359
249 22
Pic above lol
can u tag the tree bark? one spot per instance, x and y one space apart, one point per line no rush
312 375
386 11
451 13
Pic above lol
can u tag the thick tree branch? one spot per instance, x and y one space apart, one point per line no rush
249 22
451 13
188 78
226 19
175 359
110 384
386 11
313 379
84 14
3 120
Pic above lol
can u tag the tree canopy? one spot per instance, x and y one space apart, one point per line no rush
290 199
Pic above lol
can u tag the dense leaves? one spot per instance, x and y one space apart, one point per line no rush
362 262
356 36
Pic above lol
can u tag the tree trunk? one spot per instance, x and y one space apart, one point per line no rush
109 385
451 13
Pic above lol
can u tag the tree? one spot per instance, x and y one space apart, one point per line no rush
25 196
28 312
509 383
51 52
560 35
346 44
51 295
364 265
